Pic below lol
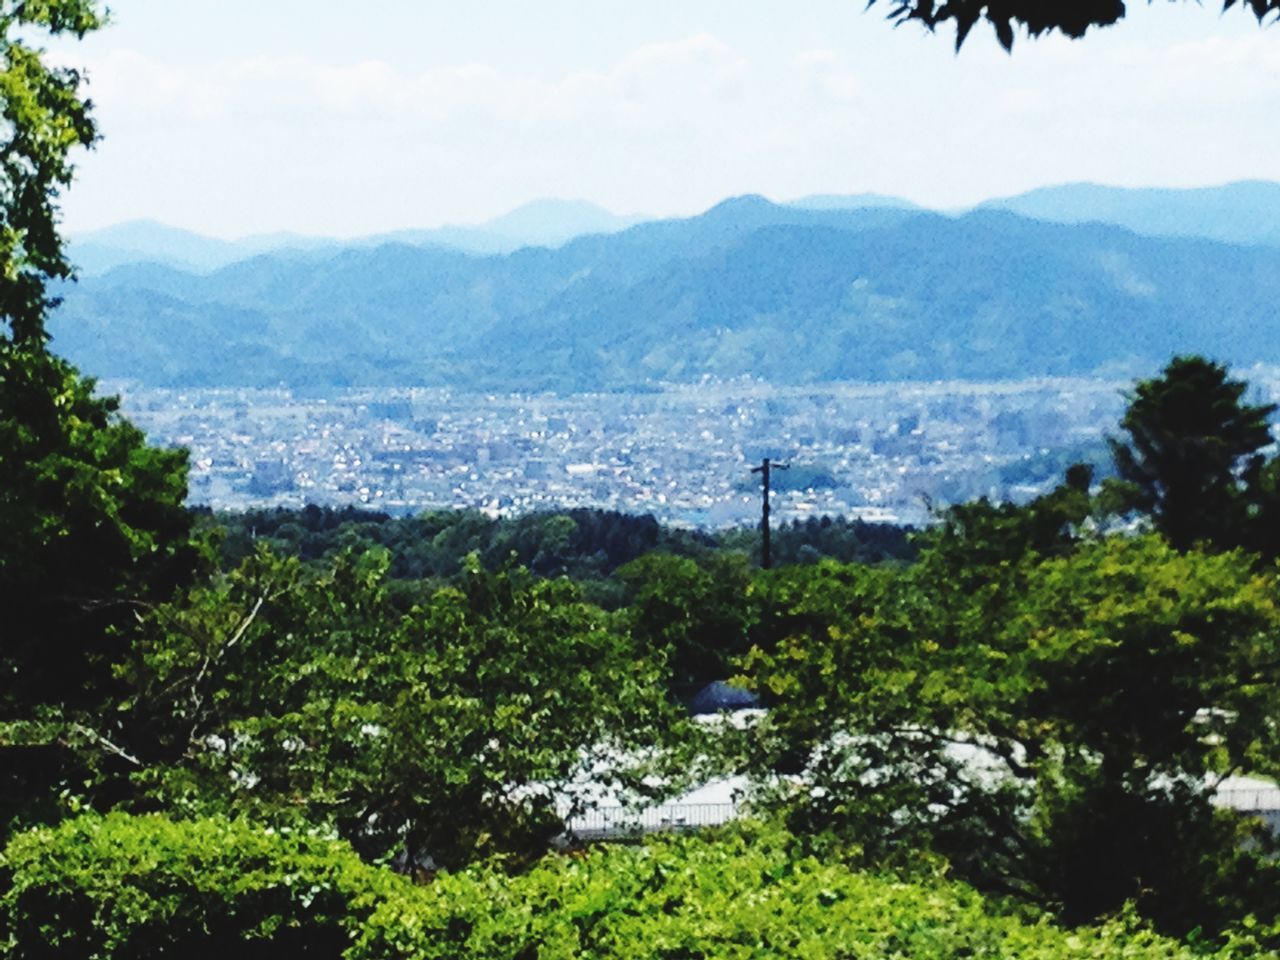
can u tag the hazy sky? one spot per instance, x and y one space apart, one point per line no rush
244 116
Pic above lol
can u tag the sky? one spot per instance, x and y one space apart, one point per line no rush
241 117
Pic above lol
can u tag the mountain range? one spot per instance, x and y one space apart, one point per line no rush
825 288
1246 212
546 222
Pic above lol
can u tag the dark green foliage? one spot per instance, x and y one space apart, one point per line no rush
294 694
92 532
1192 459
697 615
1190 869
582 543
817 538
1003 717
1070 17
92 528
1033 704
1262 531
1046 707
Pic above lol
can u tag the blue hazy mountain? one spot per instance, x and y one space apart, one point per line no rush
547 222
852 201
1247 212
145 240
551 223
747 288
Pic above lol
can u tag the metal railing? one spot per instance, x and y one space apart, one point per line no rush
1260 799
617 820
609 821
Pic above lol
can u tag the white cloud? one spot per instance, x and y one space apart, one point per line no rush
290 137
697 68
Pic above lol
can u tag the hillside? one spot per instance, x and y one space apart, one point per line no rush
748 288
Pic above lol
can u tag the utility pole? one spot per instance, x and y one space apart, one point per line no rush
764 470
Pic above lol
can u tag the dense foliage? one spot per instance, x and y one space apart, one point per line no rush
1055 731
1038 698
203 758
125 888
146 888
92 531
1072 18
1193 460
44 120
585 544
448 730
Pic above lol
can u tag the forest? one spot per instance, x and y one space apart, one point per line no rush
338 733
335 734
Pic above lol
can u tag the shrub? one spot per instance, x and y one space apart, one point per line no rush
744 894
140 887
137 888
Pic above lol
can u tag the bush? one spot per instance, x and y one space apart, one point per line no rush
117 887
741 895
137 888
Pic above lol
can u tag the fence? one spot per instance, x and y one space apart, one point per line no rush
1263 799
613 821
618 821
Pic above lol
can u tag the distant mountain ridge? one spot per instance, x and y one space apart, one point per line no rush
545 222
749 288
852 201
1245 212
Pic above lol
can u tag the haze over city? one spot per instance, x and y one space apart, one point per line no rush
239 118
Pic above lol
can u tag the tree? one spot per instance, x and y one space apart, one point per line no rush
92 533
1192 459
285 692
1061 744
1070 17
92 526
696 615
44 120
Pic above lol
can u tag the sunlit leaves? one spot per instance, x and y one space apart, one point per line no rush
447 728
44 119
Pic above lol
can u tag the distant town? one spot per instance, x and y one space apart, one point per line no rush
682 453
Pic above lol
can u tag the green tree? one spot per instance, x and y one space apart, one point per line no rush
146 888
92 527
696 614
45 119
92 532
1052 725
1192 459
286 692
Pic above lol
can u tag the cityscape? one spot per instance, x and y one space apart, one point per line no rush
881 452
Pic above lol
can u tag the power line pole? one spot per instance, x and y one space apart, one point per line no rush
764 470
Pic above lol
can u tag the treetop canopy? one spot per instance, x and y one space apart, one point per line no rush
1071 17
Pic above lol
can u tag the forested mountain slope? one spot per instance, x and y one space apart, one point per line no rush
748 288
